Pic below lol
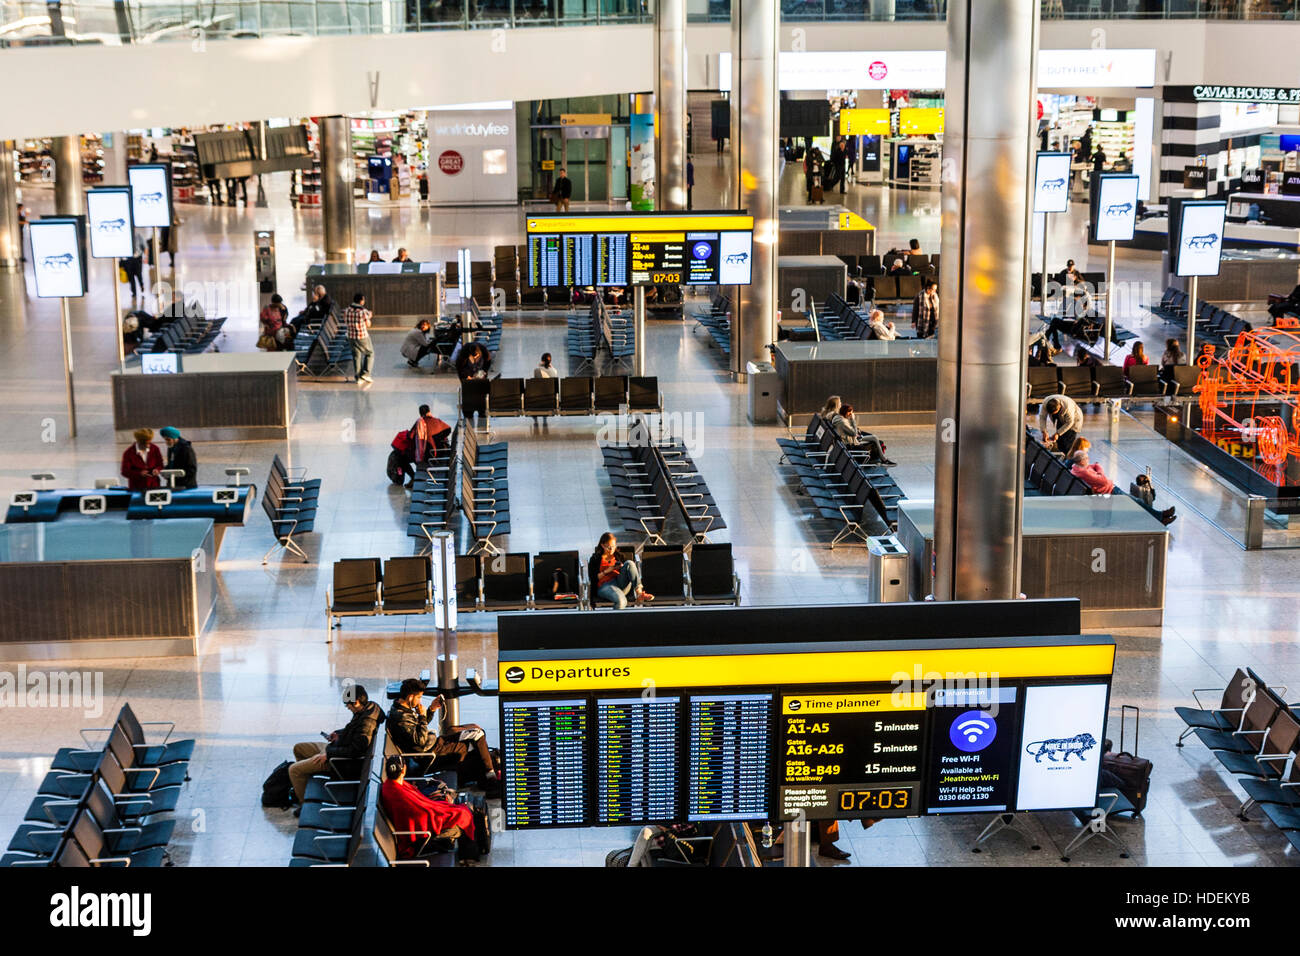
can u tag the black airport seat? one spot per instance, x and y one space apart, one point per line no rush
575 395
1076 381
1145 381
1184 379
610 393
713 575
1042 381
506 397
557 573
1109 382
469 584
643 394
407 584
663 573
541 396
506 582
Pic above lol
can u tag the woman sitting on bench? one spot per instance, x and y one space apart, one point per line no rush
613 576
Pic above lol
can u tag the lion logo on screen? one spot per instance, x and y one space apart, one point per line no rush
737 257
1206 241
1054 185
61 261
1119 209
112 225
153 197
1078 745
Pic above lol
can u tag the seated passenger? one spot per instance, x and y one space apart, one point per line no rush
1136 357
351 741
1172 356
272 325
881 329
1291 304
1060 419
414 813
320 306
613 576
846 421
463 748
545 369
1092 476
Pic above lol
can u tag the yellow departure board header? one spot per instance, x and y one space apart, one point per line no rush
832 667
598 224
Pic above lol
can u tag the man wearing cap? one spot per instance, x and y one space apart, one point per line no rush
180 456
463 748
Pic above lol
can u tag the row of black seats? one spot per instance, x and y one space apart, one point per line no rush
873 265
1047 473
472 477
1254 734
1109 381
290 502
96 804
654 481
846 487
571 395
189 334
435 490
716 321
839 320
333 812
1214 325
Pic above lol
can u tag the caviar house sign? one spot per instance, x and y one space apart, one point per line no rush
1248 94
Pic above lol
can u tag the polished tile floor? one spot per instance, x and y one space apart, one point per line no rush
267 676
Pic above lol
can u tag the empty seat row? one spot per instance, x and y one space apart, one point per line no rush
572 395
1143 382
663 470
290 502
189 334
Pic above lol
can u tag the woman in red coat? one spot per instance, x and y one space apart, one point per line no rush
411 812
142 462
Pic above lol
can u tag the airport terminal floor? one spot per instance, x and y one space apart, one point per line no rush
266 678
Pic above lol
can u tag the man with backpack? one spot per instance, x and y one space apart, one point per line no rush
351 741
418 446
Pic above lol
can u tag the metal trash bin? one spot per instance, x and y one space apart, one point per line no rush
886 570
763 384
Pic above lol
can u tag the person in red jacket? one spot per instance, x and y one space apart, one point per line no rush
142 462
410 811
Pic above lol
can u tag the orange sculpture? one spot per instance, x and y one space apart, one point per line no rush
1262 366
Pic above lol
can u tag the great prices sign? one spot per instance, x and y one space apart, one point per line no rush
451 162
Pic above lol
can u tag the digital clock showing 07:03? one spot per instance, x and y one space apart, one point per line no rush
884 800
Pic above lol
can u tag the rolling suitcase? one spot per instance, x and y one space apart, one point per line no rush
1132 771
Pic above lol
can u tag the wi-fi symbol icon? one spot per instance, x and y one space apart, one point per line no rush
972 731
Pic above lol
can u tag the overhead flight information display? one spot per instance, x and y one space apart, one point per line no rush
544 748
636 758
851 756
749 732
731 750
640 249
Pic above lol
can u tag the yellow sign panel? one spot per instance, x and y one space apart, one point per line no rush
584 119
855 122
658 237
920 122
815 704
855 667
636 223
548 164
851 220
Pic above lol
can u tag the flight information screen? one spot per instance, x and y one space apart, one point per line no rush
731 749
544 748
636 759
705 249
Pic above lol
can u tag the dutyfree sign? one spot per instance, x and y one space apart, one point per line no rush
473 129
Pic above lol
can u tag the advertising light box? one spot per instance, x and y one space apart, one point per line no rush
1051 182
1116 212
1200 238
151 195
56 258
864 122
1060 751
108 220
920 122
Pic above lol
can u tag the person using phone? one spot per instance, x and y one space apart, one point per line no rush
350 741
462 747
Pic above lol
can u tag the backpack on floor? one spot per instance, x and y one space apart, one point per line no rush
396 467
277 790
481 845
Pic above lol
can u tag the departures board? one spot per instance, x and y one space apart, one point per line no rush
640 249
829 731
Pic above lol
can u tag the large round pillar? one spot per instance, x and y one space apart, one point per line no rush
69 190
337 173
11 248
984 297
755 27
670 101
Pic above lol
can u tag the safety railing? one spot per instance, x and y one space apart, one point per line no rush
114 22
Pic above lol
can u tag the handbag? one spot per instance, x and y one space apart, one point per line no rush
267 344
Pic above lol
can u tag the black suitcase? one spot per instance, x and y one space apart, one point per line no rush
481 845
1132 772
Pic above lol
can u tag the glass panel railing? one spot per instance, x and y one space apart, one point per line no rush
26 23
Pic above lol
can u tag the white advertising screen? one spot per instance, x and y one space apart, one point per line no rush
56 258
151 200
1116 208
735 250
1052 182
108 217
1200 238
1060 748
160 363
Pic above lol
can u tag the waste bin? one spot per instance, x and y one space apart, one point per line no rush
886 570
763 384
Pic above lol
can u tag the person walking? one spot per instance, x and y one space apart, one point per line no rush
134 266
22 228
180 456
690 181
839 161
925 309
171 239
562 192
356 325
